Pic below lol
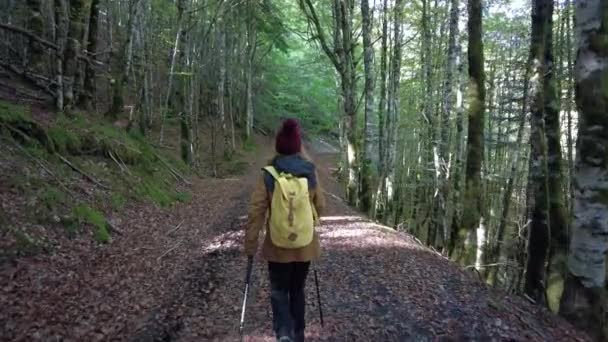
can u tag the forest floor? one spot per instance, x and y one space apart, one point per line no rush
177 275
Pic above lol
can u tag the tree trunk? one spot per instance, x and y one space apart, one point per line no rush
457 167
538 238
382 111
221 85
449 91
466 243
558 250
569 102
432 158
165 108
61 28
368 60
584 298
392 122
87 96
126 58
251 48
181 86
72 51
348 94
35 25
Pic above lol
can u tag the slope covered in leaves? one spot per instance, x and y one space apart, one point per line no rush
177 275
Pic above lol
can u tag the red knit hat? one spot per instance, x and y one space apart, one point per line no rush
289 139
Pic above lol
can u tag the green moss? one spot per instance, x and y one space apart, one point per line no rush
65 140
83 214
52 197
155 193
101 234
118 201
10 113
183 197
555 288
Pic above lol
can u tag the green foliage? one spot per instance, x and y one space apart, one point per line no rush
84 214
10 113
154 192
64 140
51 197
101 234
118 201
183 197
298 82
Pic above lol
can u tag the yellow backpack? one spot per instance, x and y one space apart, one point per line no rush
292 216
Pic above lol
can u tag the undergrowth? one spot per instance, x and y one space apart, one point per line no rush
125 167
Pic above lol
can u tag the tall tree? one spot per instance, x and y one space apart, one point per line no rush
72 51
584 298
342 55
557 219
121 78
466 243
87 96
35 24
181 86
382 109
251 50
366 189
538 236
393 109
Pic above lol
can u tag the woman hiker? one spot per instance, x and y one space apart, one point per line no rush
289 192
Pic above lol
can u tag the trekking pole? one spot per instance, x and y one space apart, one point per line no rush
314 266
247 280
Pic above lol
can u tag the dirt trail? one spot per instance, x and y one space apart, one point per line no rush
177 275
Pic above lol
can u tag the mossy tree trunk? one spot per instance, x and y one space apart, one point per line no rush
584 298
557 219
466 240
539 234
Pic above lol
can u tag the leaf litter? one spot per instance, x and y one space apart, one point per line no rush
178 275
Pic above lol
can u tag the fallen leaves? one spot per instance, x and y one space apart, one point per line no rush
376 284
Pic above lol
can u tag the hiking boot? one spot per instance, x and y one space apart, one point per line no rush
284 339
298 336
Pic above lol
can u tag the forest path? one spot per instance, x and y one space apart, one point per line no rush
177 275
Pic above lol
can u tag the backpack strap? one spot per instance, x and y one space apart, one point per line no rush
275 174
272 171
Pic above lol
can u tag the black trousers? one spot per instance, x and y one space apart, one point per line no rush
287 281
